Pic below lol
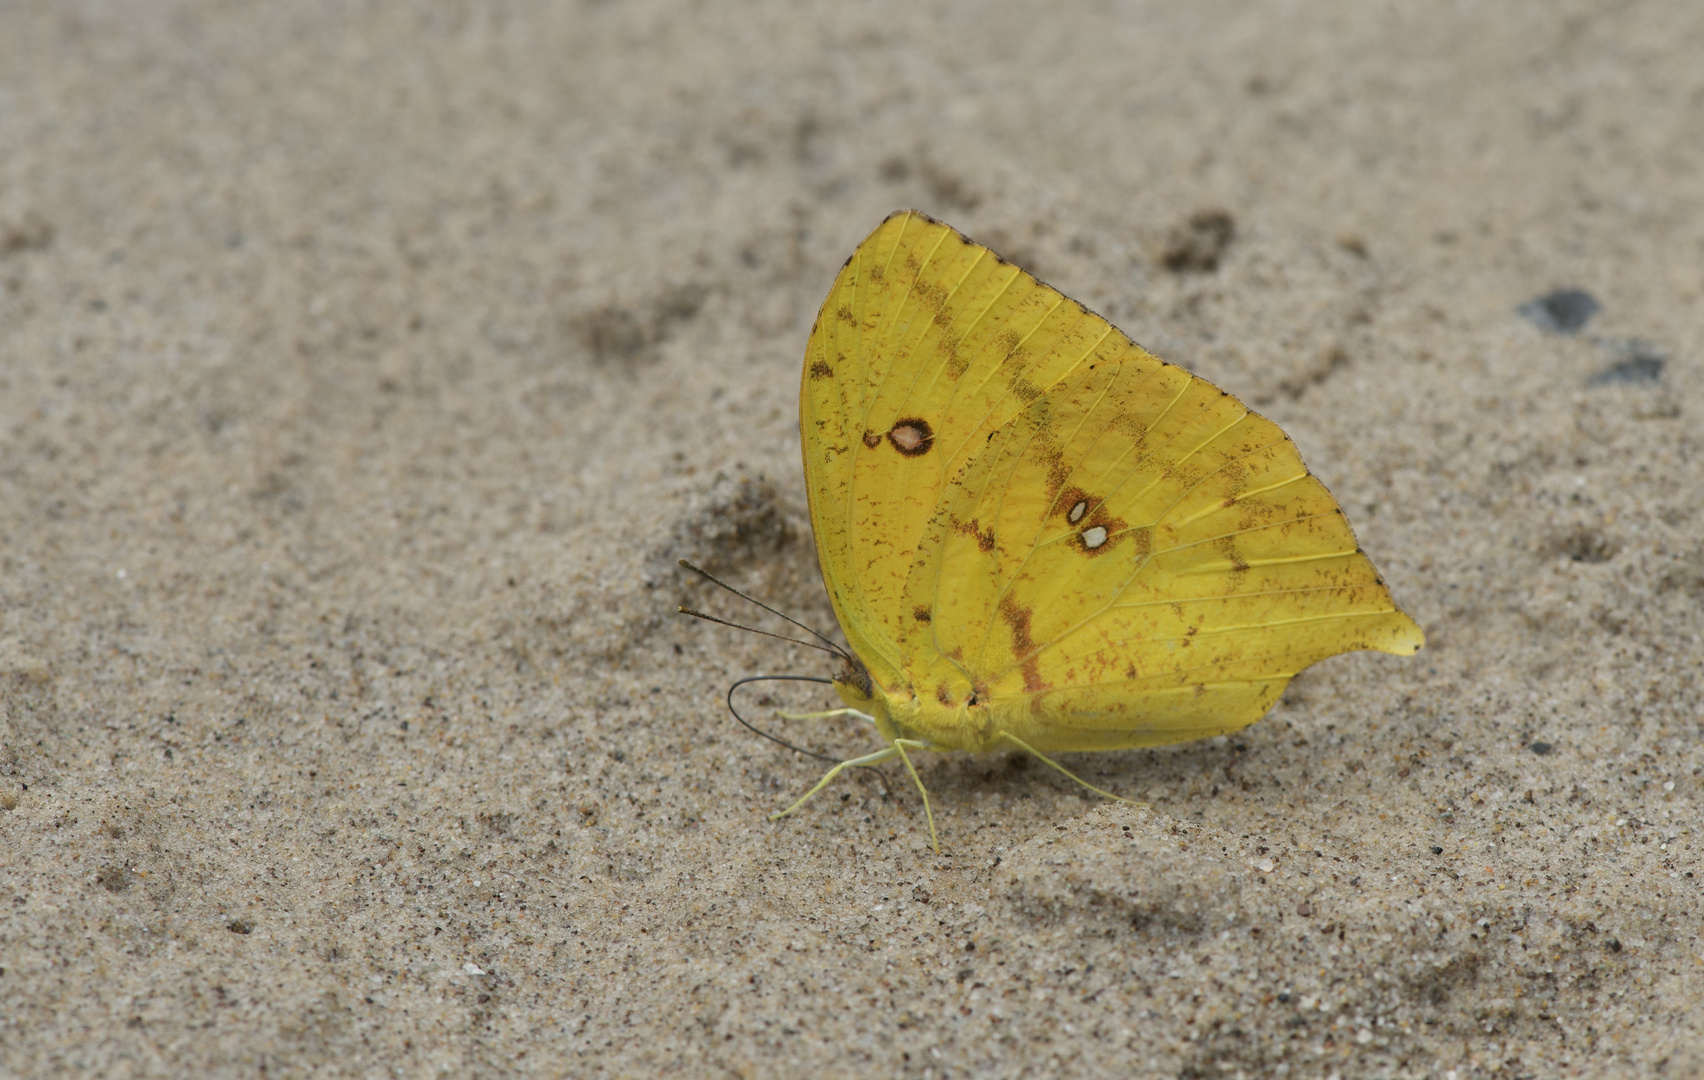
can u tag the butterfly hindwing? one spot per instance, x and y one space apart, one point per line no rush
1143 560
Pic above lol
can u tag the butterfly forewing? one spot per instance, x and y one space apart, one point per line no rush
926 343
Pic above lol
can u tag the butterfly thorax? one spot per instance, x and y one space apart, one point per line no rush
900 713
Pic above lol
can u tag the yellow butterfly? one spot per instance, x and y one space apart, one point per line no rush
1037 535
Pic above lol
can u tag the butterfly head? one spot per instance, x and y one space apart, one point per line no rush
854 680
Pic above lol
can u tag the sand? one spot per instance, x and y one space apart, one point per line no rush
365 368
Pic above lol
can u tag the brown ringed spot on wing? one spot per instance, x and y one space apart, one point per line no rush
1023 646
911 436
822 370
1095 531
872 440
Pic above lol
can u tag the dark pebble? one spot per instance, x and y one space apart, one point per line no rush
1640 363
1565 311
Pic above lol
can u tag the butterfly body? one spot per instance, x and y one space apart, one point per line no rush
899 713
1036 533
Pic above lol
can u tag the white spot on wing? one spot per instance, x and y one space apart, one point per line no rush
1094 537
1077 511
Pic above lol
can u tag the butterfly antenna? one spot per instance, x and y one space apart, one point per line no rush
827 645
755 630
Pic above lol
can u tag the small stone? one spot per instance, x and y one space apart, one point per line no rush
1637 363
1564 311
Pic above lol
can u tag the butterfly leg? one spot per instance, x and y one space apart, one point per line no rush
899 746
826 715
886 754
1045 760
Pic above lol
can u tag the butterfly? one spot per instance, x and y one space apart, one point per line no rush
1038 536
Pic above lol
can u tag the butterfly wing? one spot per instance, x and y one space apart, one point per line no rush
926 343
1016 506
1139 559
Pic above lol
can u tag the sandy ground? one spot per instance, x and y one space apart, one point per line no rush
364 368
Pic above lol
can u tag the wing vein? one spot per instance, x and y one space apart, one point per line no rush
1079 624
1220 597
